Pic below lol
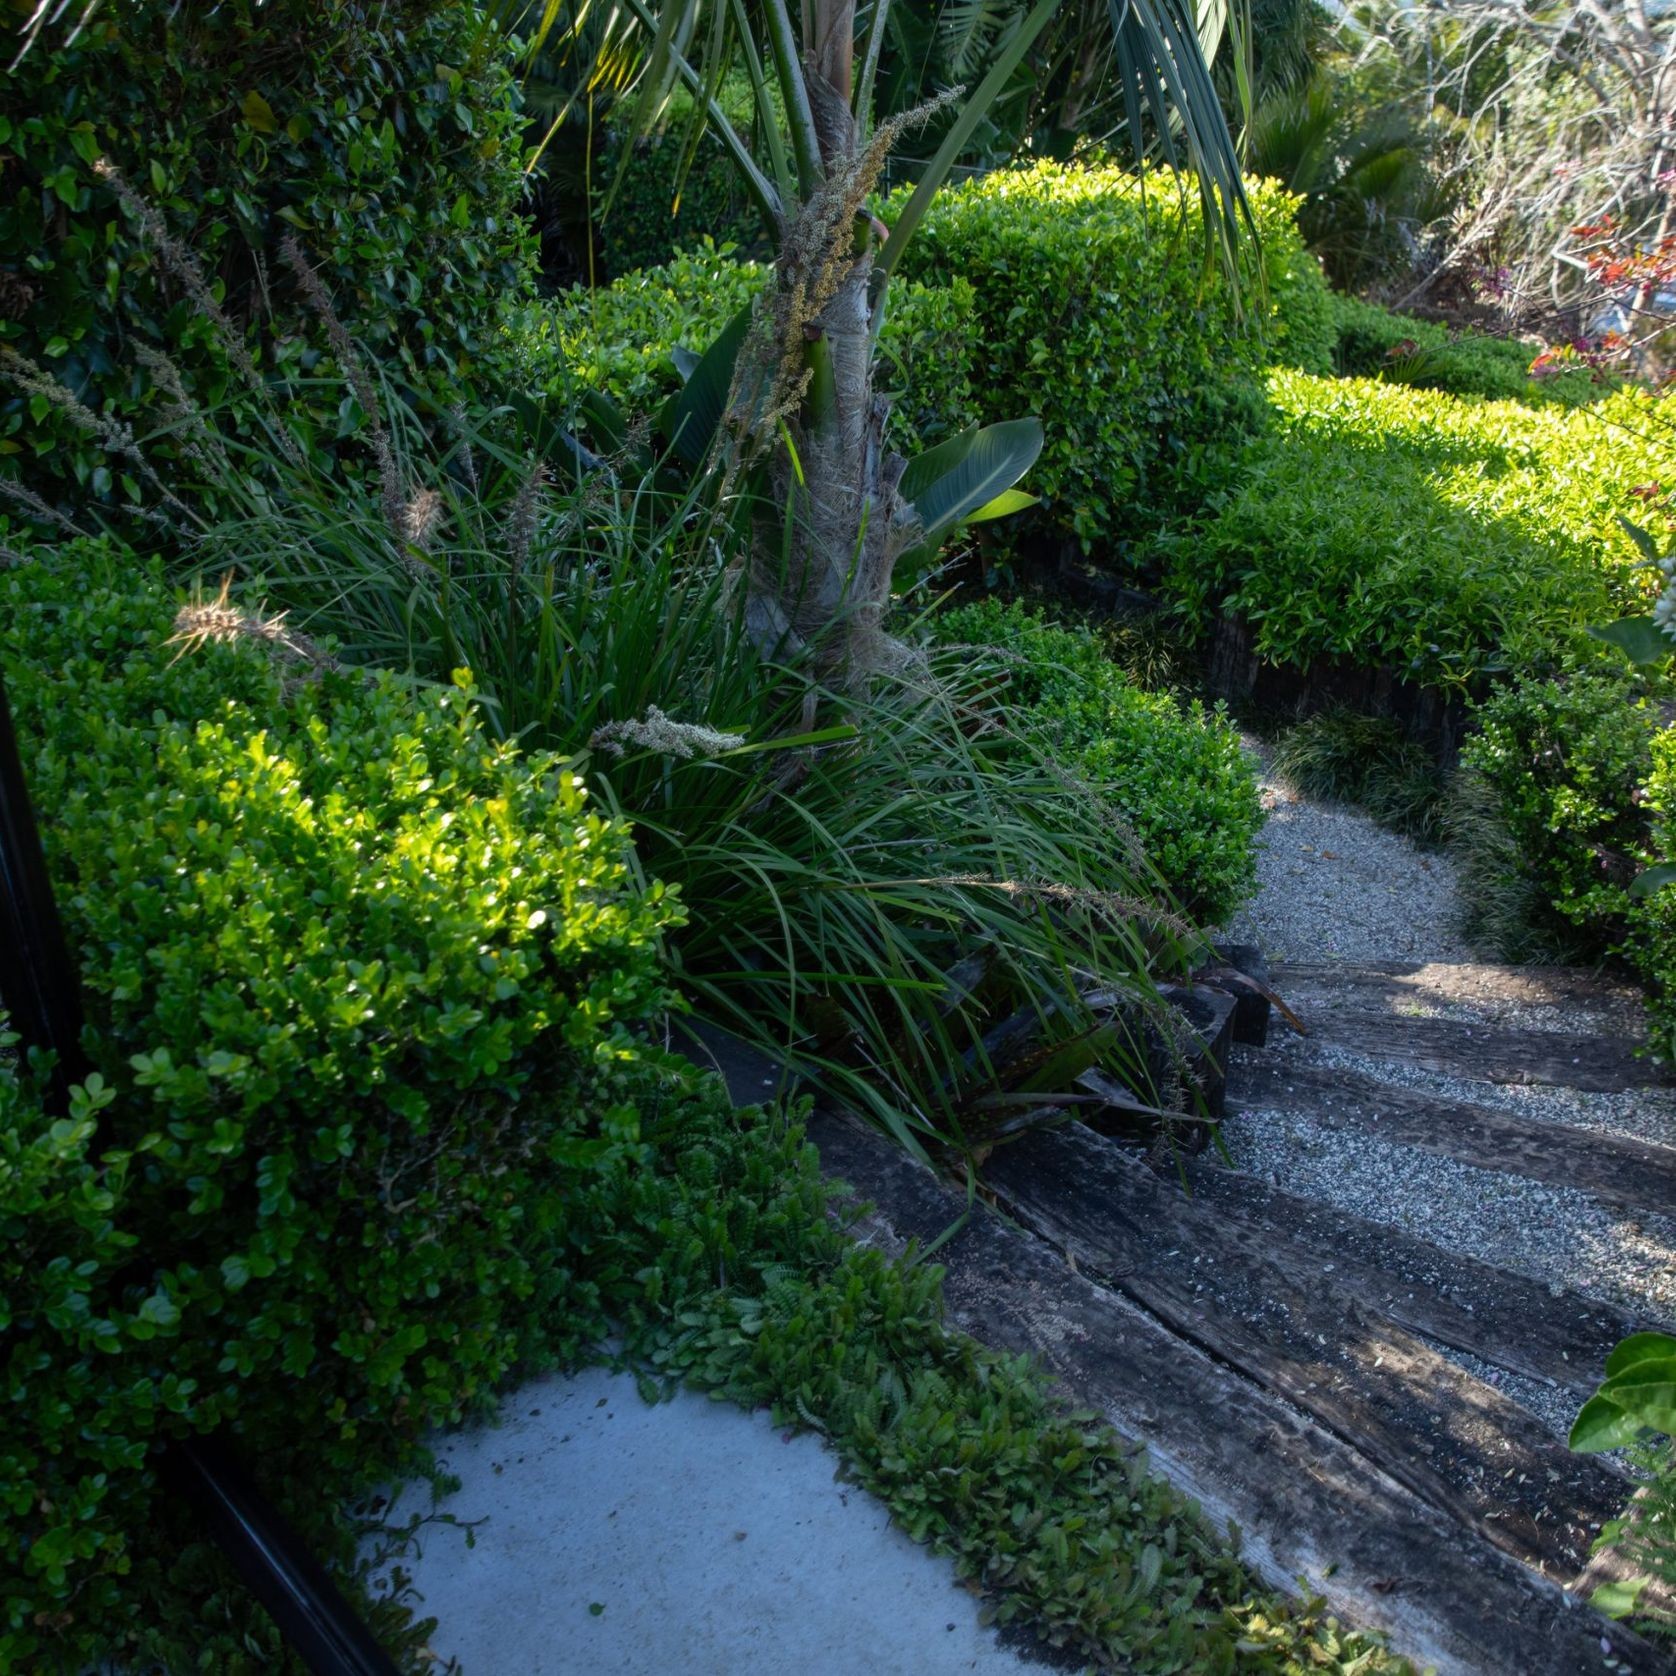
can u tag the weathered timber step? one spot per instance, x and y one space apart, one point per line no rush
1507 1319
1624 1171
1306 1502
1480 986
1485 1052
1456 1442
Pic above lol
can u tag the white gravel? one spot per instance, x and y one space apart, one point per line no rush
1333 885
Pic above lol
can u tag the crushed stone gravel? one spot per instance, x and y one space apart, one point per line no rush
1334 885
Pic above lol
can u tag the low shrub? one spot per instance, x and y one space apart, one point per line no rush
1176 773
359 983
1555 825
386 140
622 338
1047 1514
1375 342
1096 311
1410 529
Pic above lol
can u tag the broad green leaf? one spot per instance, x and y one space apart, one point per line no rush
1652 880
1642 539
693 415
1640 1347
1640 639
1601 1424
989 463
1004 505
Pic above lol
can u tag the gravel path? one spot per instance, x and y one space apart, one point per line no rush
1334 886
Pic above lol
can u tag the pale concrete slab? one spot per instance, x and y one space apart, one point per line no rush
682 1539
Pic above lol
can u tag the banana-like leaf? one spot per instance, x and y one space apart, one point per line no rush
692 416
1649 881
951 482
1640 639
1004 505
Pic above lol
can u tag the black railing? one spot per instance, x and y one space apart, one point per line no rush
40 990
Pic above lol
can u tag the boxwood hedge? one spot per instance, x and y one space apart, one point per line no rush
622 338
1095 309
360 984
1176 771
1412 529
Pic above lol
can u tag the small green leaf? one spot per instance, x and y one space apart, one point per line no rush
1601 1424
1640 1347
258 113
1618 1600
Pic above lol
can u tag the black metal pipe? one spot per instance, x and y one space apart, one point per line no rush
37 979
267 1553
39 988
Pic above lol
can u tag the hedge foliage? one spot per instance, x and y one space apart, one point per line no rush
386 139
1176 772
639 220
359 984
1095 310
622 338
1375 342
1578 778
1410 528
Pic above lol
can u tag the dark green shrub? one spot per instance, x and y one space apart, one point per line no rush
1555 817
639 221
359 982
386 139
621 338
1374 342
1096 311
1410 529
1652 934
1175 772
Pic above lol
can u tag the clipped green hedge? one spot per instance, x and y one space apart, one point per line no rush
1177 772
386 139
1375 342
1095 309
621 339
359 984
1411 529
639 221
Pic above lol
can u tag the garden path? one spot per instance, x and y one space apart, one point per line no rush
1363 1334
594 1534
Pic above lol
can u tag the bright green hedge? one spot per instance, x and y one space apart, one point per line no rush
359 984
1375 342
621 338
1412 529
1177 772
1095 310
386 139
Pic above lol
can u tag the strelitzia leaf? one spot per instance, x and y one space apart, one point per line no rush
1640 639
